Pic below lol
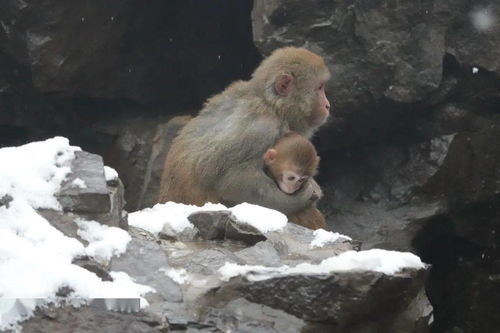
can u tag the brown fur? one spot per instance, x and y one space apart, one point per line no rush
217 156
295 153
310 218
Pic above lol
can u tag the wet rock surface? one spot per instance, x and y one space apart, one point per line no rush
146 262
192 294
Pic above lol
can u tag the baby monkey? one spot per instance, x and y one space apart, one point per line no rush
291 162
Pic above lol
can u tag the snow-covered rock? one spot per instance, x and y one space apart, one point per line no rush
195 266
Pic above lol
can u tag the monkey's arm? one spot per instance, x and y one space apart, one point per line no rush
250 184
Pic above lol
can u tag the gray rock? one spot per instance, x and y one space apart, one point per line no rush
65 291
416 318
294 244
141 234
475 40
381 226
63 221
262 253
96 200
45 38
339 298
243 232
91 319
187 234
241 315
211 225
470 171
143 261
5 200
208 261
94 197
385 200
176 315
93 266
219 225
116 214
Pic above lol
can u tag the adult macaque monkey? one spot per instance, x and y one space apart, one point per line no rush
217 156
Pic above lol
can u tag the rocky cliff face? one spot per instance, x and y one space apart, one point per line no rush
410 159
411 153
59 60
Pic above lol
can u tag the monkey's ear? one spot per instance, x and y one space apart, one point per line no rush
270 156
283 85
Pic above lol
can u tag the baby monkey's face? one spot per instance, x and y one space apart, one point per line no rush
291 162
290 181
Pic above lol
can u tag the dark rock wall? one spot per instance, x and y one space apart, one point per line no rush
67 66
410 158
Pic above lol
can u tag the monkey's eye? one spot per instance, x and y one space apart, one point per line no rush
303 179
291 178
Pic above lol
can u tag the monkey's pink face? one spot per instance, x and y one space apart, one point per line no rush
290 182
322 109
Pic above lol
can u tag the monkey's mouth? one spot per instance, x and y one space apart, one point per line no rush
288 189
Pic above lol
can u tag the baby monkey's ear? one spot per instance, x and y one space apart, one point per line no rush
283 85
270 156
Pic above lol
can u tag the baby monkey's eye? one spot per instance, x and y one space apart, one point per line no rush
303 179
291 178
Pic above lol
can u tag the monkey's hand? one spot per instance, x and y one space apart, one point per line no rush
249 183
316 190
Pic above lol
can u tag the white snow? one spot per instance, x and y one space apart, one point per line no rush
170 213
475 70
35 257
110 173
175 216
12 310
78 182
323 237
34 171
483 19
383 261
261 218
104 241
180 276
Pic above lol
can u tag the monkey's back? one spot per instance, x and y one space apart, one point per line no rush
227 132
